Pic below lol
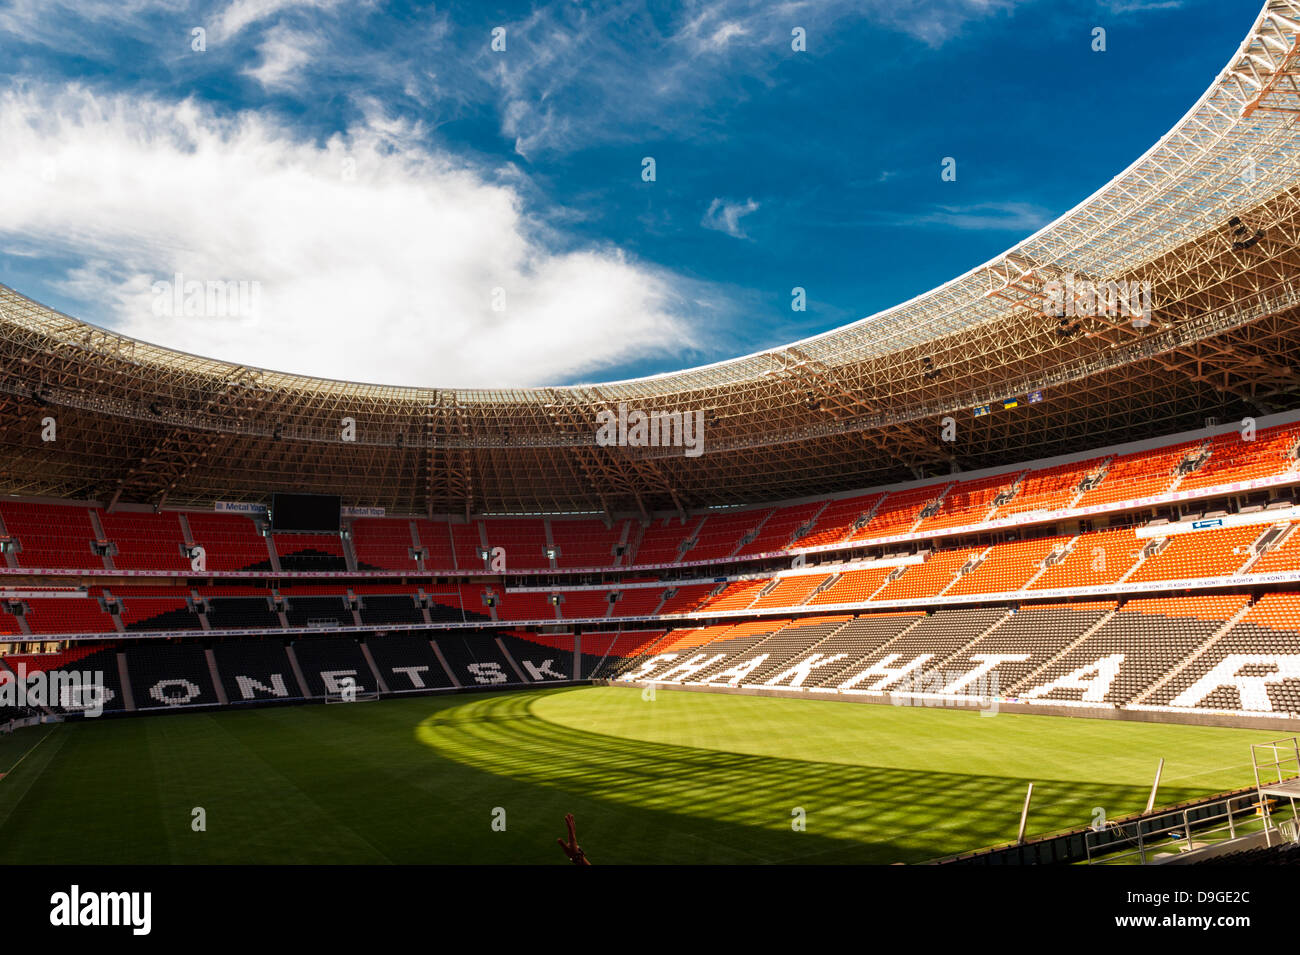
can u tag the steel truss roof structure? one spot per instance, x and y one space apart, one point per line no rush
1207 223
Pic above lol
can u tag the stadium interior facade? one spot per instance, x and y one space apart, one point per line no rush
1081 504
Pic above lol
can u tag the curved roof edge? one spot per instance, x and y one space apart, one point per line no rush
1187 182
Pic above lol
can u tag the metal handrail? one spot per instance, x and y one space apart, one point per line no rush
1147 830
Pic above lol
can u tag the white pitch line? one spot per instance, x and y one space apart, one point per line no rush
26 754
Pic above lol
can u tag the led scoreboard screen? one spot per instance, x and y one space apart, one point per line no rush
306 512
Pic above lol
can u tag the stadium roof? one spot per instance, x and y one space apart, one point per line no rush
1206 221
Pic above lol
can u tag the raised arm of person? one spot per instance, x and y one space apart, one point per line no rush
571 848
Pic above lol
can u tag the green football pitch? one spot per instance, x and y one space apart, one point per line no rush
487 778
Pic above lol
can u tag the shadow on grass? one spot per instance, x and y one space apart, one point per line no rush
744 804
418 781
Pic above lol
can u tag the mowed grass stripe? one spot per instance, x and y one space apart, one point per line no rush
15 747
901 814
31 746
909 737
253 800
688 777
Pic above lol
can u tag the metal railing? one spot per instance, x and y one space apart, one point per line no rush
1142 840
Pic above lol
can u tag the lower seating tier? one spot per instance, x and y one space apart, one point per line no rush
1223 654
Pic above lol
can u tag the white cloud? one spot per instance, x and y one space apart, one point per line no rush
706 36
657 77
725 216
1020 217
242 13
62 24
1120 7
936 22
717 23
386 276
284 52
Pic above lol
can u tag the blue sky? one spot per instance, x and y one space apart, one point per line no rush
413 207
